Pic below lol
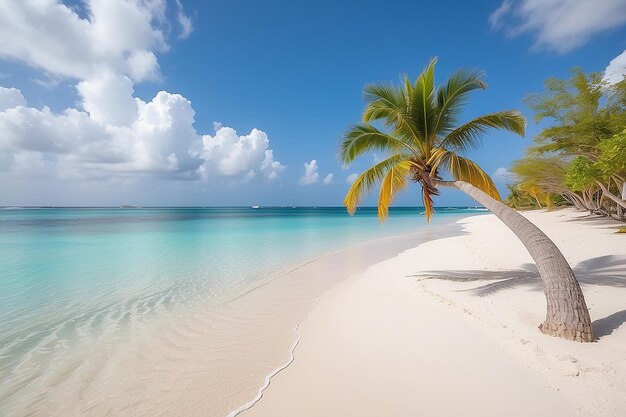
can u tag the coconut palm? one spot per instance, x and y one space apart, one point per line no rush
423 142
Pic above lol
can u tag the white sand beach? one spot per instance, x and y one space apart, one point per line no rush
449 328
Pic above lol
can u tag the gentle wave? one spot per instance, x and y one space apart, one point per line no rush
175 298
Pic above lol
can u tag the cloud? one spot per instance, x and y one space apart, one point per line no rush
269 167
558 25
117 35
156 142
616 69
311 176
502 174
228 154
109 99
11 97
351 178
114 134
48 82
186 27
160 141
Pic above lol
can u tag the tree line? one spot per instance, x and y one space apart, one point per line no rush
579 159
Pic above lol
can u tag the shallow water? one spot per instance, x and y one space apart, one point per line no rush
140 311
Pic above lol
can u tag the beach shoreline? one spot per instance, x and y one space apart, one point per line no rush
450 328
200 358
440 321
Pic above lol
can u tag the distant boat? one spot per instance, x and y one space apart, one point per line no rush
256 206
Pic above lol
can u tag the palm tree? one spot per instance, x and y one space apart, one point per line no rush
423 142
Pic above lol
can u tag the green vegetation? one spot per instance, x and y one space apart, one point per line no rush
424 138
580 159
424 141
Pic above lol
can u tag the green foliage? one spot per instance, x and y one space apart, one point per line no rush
585 111
519 199
547 173
423 137
612 155
581 156
582 174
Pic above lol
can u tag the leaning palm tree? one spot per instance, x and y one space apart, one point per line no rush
424 142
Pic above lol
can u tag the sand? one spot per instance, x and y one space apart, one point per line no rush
196 359
449 328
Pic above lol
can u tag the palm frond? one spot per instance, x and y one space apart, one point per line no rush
384 101
465 170
422 102
468 135
368 179
362 138
437 157
393 183
429 205
452 96
389 103
420 132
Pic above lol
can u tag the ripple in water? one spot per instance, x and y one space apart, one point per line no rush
139 312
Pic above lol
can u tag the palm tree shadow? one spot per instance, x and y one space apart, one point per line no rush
609 270
607 325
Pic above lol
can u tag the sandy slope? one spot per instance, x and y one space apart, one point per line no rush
394 341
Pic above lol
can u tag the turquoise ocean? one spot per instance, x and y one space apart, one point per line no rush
75 276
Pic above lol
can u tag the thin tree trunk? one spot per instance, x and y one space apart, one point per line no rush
588 198
567 314
578 201
575 199
608 194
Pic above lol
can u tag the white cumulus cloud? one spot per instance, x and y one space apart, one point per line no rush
10 97
311 176
114 133
351 178
160 140
502 174
157 141
228 154
117 35
109 99
616 69
558 25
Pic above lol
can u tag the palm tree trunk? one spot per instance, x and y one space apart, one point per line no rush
567 314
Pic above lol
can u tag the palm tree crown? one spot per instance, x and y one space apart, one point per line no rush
423 139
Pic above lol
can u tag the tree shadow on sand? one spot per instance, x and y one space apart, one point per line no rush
607 325
607 270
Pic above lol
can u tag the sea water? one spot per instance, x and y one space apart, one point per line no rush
77 279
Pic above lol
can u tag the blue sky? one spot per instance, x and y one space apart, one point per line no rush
286 76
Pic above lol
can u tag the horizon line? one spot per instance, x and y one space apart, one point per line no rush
16 207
